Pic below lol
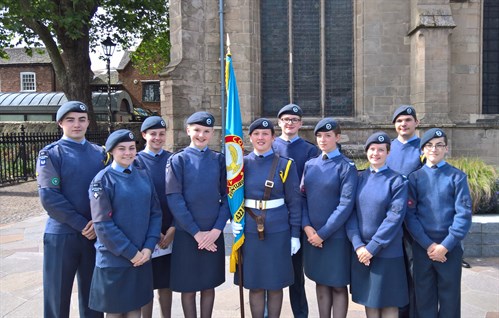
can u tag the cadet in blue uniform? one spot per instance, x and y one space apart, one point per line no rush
153 158
196 193
404 158
328 185
290 145
375 228
64 171
405 154
127 219
272 230
438 217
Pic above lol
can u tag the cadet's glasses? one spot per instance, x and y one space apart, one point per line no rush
290 120
438 146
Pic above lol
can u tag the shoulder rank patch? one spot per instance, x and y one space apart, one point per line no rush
42 157
96 189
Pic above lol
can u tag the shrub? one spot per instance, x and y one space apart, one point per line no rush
482 180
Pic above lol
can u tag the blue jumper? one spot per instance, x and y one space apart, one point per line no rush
329 188
156 167
64 170
126 215
300 150
196 184
404 158
380 208
439 206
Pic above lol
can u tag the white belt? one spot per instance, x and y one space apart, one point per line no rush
262 204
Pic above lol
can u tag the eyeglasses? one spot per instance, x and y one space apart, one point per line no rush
438 146
290 120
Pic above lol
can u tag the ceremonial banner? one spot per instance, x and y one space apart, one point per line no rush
234 158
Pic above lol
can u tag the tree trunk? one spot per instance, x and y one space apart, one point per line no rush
75 75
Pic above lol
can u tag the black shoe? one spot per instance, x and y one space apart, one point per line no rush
465 264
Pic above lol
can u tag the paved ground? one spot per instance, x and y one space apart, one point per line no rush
21 291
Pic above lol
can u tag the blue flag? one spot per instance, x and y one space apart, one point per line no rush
234 158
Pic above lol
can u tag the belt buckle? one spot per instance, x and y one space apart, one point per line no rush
269 183
260 205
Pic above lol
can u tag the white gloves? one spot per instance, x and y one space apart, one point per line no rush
295 245
236 228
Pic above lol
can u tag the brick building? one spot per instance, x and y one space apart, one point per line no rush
143 89
24 73
353 60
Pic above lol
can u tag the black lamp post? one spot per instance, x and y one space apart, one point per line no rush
108 47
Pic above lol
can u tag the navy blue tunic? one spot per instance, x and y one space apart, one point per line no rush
376 223
196 193
328 187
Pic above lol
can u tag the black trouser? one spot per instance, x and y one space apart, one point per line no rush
408 311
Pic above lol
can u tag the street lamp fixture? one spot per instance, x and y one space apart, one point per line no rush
108 47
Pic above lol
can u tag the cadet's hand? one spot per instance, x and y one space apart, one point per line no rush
136 259
199 237
363 255
209 239
295 245
436 252
236 228
167 239
88 231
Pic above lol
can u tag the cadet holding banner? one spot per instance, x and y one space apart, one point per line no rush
273 212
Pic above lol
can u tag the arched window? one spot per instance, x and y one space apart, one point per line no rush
307 56
490 90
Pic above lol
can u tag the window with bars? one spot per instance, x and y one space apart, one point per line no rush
307 56
490 90
28 82
150 91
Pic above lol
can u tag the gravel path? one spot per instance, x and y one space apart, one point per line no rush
19 202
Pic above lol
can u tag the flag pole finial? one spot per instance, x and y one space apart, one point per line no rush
228 44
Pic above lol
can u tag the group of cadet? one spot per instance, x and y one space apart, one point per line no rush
127 223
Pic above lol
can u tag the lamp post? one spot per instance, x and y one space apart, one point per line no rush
108 47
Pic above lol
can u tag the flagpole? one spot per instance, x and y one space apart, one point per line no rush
222 74
239 253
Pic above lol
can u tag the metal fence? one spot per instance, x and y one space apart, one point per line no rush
19 151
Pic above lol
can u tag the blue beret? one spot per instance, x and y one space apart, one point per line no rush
404 110
153 122
325 124
430 134
261 123
379 137
201 118
291 109
71 106
121 135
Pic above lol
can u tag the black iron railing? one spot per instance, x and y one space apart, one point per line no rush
19 151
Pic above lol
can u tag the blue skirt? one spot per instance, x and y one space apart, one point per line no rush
267 264
381 284
121 289
193 269
329 265
161 271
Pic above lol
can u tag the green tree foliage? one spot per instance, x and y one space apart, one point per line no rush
71 29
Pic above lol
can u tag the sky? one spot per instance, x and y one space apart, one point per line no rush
100 65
